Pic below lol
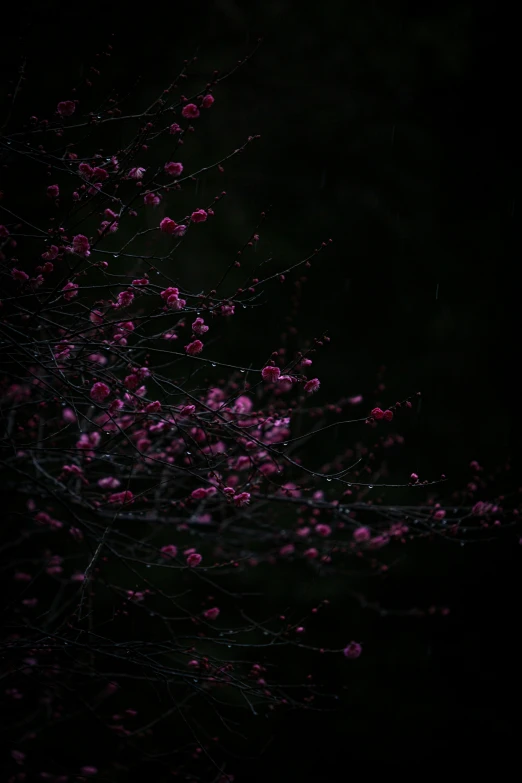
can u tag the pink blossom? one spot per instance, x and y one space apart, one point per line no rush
125 298
196 346
243 405
109 482
211 614
173 169
243 499
50 254
361 534
169 551
227 309
137 173
18 274
311 553
100 391
323 530
121 497
198 216
53 191
152 198
167 225
270 374
153 407
199 326
80 245
190 111
194 559
174 128
439 514
414 477
199 494
207 101
312 385
377 413
175 303
352 651
66 108
71 290
387 415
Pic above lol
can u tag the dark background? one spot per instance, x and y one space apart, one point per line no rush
393 128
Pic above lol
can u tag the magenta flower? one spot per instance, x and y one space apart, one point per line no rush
66 108
100 391
352 651
190 111
270 374
173 169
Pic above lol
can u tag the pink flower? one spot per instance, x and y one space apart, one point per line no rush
361 534
323 530
137 173
377 413
199 327
173 169
199 494
151 198
194 559
53 191
270 374
119 498
211 614
311 386
86 170
199 216
439 514
207 101
100 391
174 128
153 407
196 346
352 651
168 551
80 245
71 290
109 482
311 553
387 415
18 274
243 499
50 254
167 225
125 298
190 111
66 108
